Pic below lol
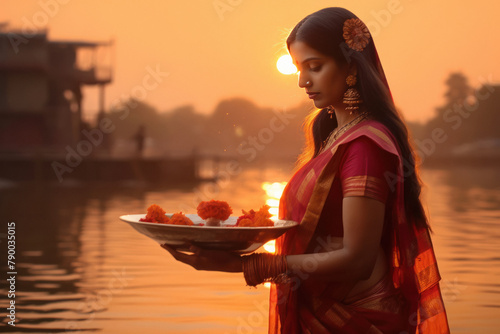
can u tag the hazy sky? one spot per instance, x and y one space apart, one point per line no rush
215 49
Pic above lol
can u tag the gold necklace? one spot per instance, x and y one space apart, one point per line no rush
337 132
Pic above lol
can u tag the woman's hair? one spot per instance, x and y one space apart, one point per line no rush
323 31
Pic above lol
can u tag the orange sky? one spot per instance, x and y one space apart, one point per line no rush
212 55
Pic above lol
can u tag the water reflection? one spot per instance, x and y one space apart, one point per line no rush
81 269
273 193
464 204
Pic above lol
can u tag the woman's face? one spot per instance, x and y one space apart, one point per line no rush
320 75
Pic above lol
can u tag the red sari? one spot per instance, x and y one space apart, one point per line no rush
408 298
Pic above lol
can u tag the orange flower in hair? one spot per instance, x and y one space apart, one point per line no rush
356 34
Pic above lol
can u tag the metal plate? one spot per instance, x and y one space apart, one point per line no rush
226 237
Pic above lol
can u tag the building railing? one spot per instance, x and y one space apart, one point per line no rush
92 76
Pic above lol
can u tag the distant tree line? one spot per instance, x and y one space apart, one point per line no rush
465 125
238 128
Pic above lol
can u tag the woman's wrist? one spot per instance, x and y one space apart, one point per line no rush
264 267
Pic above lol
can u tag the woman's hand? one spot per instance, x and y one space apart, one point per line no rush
211 260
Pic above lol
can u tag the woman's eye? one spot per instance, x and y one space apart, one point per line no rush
316 68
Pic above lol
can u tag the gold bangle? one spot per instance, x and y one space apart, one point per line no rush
263 267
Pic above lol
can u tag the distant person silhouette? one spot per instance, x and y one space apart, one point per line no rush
139 138
106 145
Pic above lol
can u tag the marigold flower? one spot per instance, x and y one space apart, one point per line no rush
180 219
155 214
214 209
253 219
356 34
246 222
246 215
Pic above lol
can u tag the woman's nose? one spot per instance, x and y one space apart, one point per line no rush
303 81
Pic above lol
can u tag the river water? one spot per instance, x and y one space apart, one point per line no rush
80 269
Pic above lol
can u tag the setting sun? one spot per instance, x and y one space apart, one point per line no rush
285 65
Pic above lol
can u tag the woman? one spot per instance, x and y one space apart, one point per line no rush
361 259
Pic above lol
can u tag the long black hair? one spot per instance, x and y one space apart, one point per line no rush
323 31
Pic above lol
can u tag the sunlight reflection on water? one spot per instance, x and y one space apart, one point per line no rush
80 268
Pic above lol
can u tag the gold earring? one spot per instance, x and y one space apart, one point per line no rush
352 97
331 110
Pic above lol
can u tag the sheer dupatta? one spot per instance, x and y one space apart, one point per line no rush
413 264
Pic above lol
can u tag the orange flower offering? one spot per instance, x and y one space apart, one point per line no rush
155 215
213 212
180 219
254 219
